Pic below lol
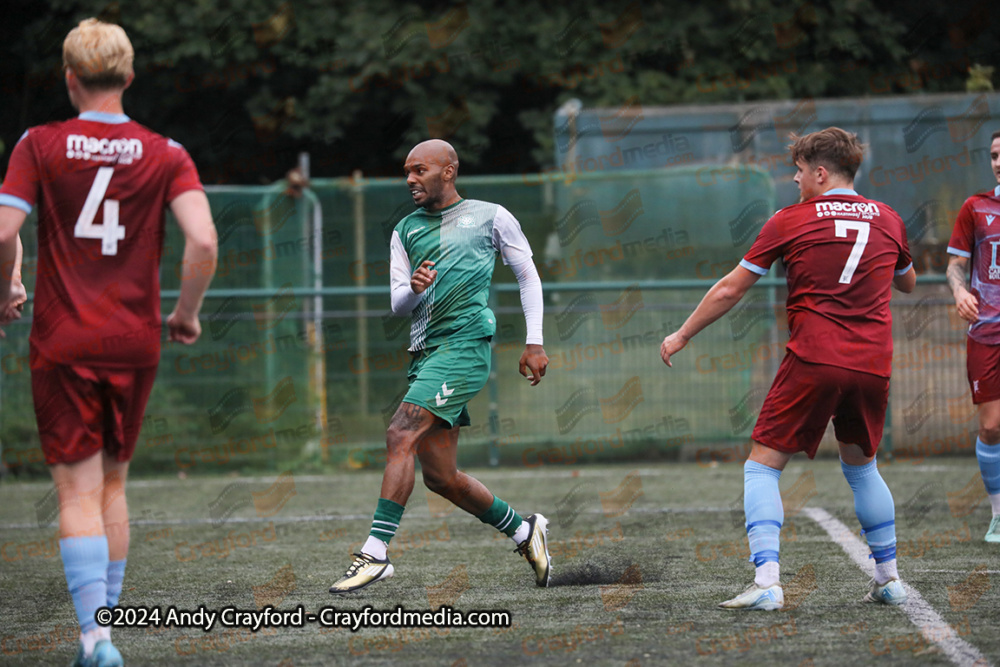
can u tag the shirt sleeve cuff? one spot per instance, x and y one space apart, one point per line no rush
753 267
901 272
960 253
15 202
185 188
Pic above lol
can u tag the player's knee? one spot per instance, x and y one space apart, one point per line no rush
397 438
854 455
79 494
989 432
438 481
400 442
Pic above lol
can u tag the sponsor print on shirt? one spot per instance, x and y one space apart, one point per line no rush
858 209
994 267
119 150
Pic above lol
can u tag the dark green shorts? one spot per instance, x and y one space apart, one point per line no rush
444 379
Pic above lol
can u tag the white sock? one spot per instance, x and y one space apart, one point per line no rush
995 502
90 639
767 574
885 572
375 548
521 534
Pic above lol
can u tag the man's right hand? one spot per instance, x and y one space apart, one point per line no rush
183 329
968 305
423 277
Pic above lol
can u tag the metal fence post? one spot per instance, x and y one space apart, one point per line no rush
361 301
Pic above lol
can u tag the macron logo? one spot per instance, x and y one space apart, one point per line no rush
121 151
989 220
853 209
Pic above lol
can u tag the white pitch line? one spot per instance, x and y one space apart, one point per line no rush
921 614
966 572
565 472
415 513
560 471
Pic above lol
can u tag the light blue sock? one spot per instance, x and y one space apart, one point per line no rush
85 562
874 508
764 512
989 465
116 574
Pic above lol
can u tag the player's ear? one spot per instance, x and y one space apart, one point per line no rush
129 80
72 86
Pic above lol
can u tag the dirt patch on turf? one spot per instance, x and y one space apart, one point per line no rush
597 572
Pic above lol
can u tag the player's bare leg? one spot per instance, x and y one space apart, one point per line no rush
988 455
764 516
876 512
406 430
438 454
408 427
771 458
116 525
415 430
84 546
80 487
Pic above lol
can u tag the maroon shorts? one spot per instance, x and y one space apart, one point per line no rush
805 396
983 366
81 410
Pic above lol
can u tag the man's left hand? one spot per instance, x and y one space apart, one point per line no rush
671 345
535 359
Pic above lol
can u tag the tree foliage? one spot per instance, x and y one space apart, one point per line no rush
246 86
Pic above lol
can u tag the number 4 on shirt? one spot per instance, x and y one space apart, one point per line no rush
110 232
862 228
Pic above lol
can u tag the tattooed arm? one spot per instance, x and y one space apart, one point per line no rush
968 306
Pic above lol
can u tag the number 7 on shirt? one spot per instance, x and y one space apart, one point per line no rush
862 228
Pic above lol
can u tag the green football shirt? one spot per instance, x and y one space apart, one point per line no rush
463 241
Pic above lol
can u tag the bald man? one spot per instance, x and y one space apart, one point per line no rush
453 243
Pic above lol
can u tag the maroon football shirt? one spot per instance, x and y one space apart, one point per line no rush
976 238
841 252
101 183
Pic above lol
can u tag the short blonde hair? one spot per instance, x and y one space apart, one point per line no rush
99 53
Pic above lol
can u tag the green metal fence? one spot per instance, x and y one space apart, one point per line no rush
288 374
301 362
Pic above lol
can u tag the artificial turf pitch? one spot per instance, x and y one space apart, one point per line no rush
642 555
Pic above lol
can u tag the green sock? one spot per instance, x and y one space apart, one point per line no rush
501 516
387 517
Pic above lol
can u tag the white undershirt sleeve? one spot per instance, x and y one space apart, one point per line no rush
509 239
404 299
531 300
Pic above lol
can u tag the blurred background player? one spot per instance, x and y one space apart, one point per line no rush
100 182
454 243
841 253
976 239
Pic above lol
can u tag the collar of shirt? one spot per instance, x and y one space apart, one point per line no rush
839 191
996 191
103 117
